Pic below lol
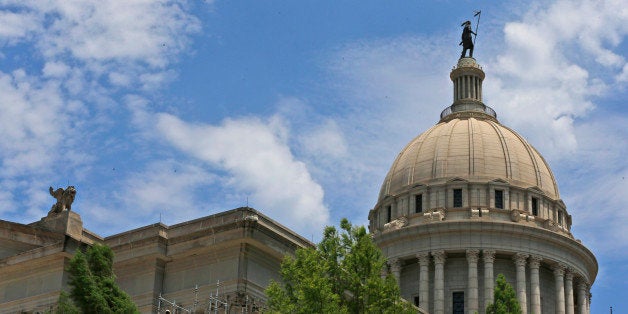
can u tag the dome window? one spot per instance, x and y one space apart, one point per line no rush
499 199
535 206
388 213
418 203
457 198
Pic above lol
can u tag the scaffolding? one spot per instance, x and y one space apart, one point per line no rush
215 303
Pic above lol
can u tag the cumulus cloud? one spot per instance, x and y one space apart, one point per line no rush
55 105
34 122
541 80
258 161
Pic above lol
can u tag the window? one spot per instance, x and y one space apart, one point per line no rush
416 300
499 199
458 302
535 206
418 203
560 217
388 213
457 197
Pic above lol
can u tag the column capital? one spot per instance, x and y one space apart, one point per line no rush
423 257
559 269
472 255
520 259
488 255
535 261
583 285
569 274
439 257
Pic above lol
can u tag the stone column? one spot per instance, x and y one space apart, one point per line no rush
439 282
472 288
489 281
424 280
569 306
582 298
520 262
395 269
559 273
535 294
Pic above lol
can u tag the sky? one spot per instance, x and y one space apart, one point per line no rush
168 111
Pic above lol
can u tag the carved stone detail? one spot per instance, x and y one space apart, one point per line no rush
423 257
437 214
472 255
520 259
535 261
488 255
65 198
396 224
439 257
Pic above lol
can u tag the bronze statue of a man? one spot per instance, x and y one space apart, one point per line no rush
467 40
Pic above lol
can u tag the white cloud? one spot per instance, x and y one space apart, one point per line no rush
17 26
167 187
541 82
129 38
258 161
34 122
81 54
55 69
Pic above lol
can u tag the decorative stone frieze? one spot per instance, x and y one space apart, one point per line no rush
396 224
436 214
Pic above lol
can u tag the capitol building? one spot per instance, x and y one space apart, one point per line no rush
469 199
464 201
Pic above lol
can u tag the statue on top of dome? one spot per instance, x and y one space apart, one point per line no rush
467 42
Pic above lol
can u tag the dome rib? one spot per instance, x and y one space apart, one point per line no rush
471 147
420 146
505 149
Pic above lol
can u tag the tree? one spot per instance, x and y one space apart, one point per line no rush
342 274
504 299
92 283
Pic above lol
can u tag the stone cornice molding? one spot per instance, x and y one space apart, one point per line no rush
439 257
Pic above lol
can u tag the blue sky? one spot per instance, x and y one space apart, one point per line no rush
181 109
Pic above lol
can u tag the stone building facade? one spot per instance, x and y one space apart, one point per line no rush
232 254
469 199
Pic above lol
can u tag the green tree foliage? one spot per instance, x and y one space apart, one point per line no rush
504 299
92 283
341 275
65 305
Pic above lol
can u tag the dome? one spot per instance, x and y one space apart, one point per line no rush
469 199
472 148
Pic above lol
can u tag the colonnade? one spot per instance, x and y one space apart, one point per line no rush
467 86
563 282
